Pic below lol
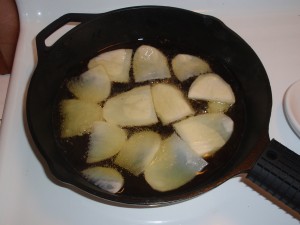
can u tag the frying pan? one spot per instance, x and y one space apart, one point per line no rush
267 163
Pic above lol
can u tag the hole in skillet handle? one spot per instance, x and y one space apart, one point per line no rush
277 171
60 32
49 35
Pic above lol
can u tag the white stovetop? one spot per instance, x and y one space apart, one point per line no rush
4 81
28 194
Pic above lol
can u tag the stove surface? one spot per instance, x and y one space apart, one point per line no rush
28 192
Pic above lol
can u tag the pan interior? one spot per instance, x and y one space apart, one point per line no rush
75 149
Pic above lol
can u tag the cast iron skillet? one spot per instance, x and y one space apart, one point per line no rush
267 163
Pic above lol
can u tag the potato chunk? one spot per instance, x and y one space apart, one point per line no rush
138 151
131 108
211 87
106 140
78 117
149 64
116 64
175 165
91 86
170 104
107 179
205 133
216 107
186 66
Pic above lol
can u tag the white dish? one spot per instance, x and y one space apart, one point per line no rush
291 105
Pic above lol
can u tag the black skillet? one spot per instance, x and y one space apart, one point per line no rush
268 163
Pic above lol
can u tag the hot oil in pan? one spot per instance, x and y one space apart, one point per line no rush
75 149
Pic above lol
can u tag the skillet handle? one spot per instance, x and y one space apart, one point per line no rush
278 172
42 48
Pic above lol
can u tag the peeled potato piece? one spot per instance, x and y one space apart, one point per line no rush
205 133
175 165
149 64
107 179
131 108
106 140
211 87
116 63
92 86
170 104
216 107
138 151
186 66
78 117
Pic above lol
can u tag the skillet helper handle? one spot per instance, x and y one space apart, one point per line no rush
42 48
278 172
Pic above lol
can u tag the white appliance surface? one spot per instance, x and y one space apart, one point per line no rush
28 193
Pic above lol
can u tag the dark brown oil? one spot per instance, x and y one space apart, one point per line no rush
74 149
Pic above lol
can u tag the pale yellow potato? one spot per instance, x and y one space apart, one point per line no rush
205 133
107 179
170 104
174 165
138 151
106 140
149 64
78 117
186 66
91 86
116 63
216 107
211 87
131 108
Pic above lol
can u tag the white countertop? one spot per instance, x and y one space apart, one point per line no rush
29 194
4 81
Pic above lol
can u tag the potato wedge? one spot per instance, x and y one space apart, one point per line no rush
175 165
170 104
131 108
116 64
107 179
186 66
149 64
78 117
211 87
91 86
205 133
138 151
106 140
